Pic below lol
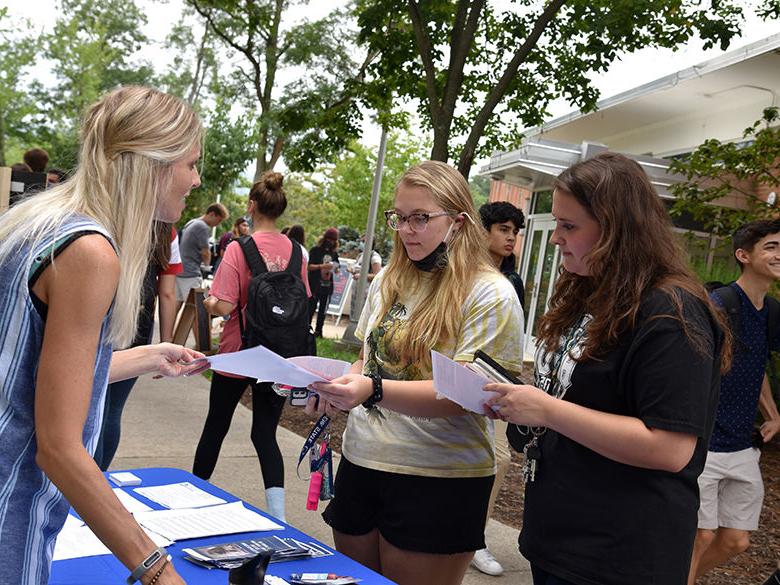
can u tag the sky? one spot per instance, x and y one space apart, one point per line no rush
625 73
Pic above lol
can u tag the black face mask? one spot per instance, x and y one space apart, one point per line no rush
433 261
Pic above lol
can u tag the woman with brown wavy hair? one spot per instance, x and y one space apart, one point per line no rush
628 360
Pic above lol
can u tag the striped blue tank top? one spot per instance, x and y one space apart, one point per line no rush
32 509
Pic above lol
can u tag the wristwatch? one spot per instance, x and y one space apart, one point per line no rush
376 395
146 564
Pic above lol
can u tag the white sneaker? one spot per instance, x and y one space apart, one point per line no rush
485 562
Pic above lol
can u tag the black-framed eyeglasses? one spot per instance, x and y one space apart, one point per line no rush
252 572
417 221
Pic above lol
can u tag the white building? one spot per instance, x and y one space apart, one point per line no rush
718 99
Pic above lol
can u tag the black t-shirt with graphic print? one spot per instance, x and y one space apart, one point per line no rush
591 520
320 255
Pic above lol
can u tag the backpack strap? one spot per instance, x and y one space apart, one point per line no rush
257 267
252 255
731 305
296 259
773 319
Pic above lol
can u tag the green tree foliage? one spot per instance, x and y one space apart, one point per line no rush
195 67
350 180
307 120
91 48
309 206
717 169
16 55
228 147
480 190
480 73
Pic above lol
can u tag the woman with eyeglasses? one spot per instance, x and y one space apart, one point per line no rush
414 481
627 375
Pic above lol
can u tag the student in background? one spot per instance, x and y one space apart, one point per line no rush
240 228
323 261
296 234
731 488
503 221
228 295
413 485
194 246
37 159
138 162
627 371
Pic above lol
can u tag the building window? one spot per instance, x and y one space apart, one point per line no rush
541 202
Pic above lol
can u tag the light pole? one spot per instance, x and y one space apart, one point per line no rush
368 246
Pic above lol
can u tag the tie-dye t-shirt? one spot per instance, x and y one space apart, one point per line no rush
455 446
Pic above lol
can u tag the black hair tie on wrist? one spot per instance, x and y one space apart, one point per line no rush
376 395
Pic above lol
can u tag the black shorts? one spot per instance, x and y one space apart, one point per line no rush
422 514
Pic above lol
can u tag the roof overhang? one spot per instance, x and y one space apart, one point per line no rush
726 93
537 163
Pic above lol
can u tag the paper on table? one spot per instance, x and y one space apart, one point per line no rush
131 504
261 363
459 383
202 522
179 495
76 540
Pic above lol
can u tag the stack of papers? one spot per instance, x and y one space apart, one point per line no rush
179 495
77 540
229 555
192 513
202 522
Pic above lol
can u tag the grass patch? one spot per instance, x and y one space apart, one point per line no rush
331 348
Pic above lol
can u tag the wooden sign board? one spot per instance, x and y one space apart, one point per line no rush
194 316
5 188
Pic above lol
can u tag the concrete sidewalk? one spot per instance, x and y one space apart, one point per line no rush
161 425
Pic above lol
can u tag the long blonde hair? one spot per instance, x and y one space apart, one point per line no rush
129 139
438 316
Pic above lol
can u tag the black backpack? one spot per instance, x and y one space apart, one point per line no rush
277 308
732 306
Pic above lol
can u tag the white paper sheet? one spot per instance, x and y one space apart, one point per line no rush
179 495
201 522
131 504
265 365
76 540
459 383
326 367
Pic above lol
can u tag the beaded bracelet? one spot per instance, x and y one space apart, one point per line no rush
376 394
160 570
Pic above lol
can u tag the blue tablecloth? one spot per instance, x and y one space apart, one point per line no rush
107 570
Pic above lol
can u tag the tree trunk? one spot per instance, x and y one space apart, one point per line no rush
271 63
2 141
440 150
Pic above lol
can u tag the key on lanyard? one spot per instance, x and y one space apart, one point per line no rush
532 455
